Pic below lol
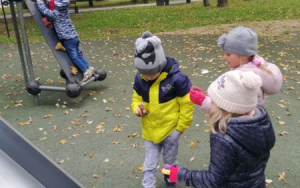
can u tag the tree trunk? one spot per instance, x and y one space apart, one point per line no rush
91 3
222 3
206 3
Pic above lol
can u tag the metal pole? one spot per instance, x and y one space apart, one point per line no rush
5 20
25 41
52 88
16 29
23 63
26 47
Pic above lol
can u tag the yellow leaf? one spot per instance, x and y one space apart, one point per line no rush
63 141
192 144
73 70
21 123
140 168
281 176
281 122
118 128
48 81
95 176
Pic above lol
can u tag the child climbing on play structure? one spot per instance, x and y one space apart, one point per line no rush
240 47
67 34
241 139
48 23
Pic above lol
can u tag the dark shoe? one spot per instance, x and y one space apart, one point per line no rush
168 183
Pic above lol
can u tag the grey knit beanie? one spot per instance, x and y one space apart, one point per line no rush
149 55
241 41
236 91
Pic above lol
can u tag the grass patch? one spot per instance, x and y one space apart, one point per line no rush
133 21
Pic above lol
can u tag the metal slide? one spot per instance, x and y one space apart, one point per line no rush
24 165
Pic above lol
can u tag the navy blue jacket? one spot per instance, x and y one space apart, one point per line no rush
239 157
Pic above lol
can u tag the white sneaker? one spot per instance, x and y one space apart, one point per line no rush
88 74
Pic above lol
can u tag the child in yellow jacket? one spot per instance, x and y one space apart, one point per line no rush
161 99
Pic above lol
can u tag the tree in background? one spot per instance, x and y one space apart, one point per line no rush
222 3
206 3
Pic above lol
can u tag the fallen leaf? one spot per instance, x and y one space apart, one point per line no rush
6 106
48 116
95 176
63 141
73 70
268 181
281 176
118 128
61 161
140 168
91 155
21 123
84 114
192 159
108 109
100 128
192 144
116 142
54 127
283 133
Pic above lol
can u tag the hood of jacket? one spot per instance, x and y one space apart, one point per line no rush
256 135
171 67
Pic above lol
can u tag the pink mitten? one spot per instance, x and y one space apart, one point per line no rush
197 96
171 171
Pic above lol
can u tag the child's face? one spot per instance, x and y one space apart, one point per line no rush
152 76
234 60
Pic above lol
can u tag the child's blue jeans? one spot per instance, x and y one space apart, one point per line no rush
73 50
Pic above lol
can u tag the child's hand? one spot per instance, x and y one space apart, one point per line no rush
197 96
170 171
140 110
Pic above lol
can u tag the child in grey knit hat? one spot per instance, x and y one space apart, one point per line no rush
240 47
161 99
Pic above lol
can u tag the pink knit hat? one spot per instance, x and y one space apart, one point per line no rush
236 91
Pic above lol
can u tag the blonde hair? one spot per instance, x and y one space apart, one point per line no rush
218 120
261 66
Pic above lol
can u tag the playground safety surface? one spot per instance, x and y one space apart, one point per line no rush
96 138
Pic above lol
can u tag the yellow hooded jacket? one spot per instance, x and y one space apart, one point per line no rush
166 100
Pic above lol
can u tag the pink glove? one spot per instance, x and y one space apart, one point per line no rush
170 171
197 96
